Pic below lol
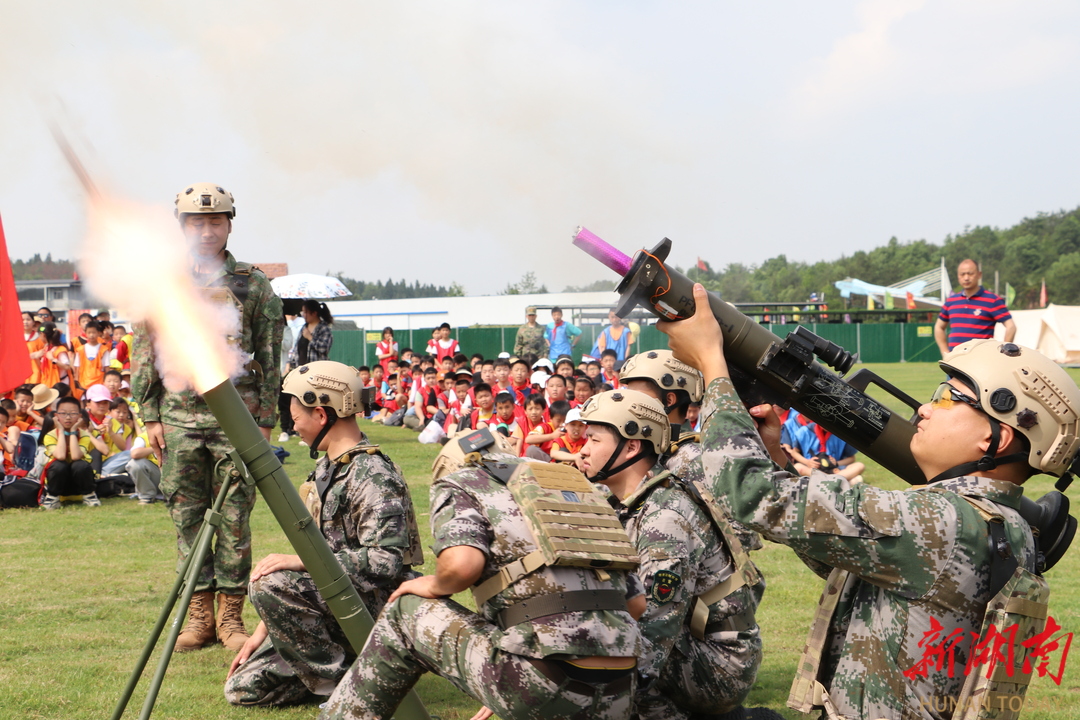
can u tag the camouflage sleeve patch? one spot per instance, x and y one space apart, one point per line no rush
664 586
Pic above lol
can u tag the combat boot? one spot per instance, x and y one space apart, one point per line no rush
199 630
230 621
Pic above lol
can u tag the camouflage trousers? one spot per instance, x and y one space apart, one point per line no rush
190 486
306 652
414 635
701 678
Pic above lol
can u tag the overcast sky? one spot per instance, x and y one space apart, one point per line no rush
463 141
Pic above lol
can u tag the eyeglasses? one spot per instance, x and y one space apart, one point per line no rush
946 395
68 414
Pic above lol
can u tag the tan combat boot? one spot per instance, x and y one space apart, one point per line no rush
230 621
199 630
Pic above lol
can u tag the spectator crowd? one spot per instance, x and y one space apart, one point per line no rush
72 431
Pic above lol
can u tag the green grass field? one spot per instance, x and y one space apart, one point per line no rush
82 587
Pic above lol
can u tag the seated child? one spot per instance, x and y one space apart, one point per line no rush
567 449
583 390
459 405
119 435
815 448
539 439
144 470
505 420
485 406
68 446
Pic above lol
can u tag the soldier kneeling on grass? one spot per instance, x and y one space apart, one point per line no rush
554 635
704 644
363 508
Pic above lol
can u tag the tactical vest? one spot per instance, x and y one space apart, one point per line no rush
313 493
572 525
1023 601
232 289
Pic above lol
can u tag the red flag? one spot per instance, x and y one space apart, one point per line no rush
14 355
702 266
1042 294
910 301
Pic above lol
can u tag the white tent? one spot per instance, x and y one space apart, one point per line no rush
1054 331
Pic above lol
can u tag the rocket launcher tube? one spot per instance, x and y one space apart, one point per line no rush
281 497
788 369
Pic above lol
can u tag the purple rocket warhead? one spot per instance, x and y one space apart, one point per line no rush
611 257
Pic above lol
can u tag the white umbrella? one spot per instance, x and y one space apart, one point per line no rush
307 286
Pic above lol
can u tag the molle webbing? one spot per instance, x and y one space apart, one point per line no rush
571 523
562 602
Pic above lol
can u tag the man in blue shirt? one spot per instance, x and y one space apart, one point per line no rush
971 313
561 336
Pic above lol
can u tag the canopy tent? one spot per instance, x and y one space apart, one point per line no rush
1054 331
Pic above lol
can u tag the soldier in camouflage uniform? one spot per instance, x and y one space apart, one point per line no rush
362 505
576 664
182 429
897 562
703 643
530 337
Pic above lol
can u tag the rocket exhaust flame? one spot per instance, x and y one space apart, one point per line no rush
189 331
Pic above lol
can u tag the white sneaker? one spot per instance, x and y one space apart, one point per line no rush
50 502
91 500
283 437
303 444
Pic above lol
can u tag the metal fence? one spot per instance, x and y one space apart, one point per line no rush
874 342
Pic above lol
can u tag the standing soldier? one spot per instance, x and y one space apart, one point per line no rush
704 644
904 566
550 639
184 432
530 337
362 506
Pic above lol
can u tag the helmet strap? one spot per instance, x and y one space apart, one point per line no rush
607 471
331 418
987 462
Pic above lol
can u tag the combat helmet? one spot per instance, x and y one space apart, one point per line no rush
204 198
329 385
662 368
633 415
1022 388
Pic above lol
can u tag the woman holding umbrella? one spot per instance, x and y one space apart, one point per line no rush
316 338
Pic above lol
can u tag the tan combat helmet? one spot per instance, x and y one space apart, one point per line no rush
452 457
204 198
632 415
1026 390
661 367
326 384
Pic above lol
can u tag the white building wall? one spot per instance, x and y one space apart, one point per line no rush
464 311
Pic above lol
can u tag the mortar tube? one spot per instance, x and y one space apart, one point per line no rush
277 490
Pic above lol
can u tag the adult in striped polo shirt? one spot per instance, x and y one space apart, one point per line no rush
971 313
